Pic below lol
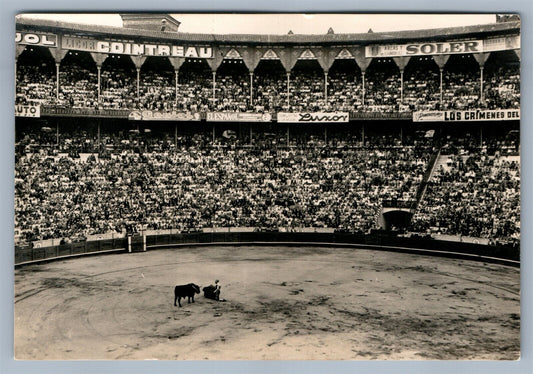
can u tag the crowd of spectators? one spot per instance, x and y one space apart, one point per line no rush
382 88
474 192
196 184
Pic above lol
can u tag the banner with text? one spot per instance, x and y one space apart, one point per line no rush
130 48
152 115
442 48
318 117
27 111
33 38
467 115
238 117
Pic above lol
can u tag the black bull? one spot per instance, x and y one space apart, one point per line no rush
186 290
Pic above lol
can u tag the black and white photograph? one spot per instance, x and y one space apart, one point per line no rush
267 186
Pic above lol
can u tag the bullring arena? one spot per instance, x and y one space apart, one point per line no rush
282 303
356 194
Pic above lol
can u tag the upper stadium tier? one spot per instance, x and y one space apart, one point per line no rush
150 65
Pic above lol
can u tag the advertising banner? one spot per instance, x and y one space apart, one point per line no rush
34 38
501 44
152 115
238 117
27 111
318 117
424 49
129 48
467 115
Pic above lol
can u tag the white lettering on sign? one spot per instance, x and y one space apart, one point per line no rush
423 49
135 49
27 111
467 115
47 40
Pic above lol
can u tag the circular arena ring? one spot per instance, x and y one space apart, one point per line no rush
306 302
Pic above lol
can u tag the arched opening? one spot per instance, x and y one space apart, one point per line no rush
36 76
270 86
194 86
421 84
397 220
461 82
157 86
502 80
118 80
382 87
307 86
232 86
78 80
344 85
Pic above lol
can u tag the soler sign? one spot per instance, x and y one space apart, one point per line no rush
423 49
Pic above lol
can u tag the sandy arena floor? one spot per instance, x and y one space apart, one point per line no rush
282 303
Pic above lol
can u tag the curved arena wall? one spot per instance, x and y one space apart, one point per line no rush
469 251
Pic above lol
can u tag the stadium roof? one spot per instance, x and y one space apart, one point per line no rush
363 38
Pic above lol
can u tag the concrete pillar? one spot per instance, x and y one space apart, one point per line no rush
401 86
251 88
176 72
57 80
99 69
288 88
138 82
481 82
441 86
326 86
363 91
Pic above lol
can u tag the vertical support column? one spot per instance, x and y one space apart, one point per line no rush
138 82
401 86
441 87
58 55
326 135
481 59
57 134
129 244
326 86
481 82
99 68
214 83
57 80
401 62
99 59
441 61
251 134
288 89
176 135
176 63
363 62
213 133
251 88
363 92
363 135
288 137
176 72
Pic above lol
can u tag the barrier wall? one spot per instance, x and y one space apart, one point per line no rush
376 241
28 255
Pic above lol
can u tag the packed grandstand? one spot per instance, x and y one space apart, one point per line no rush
286 132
